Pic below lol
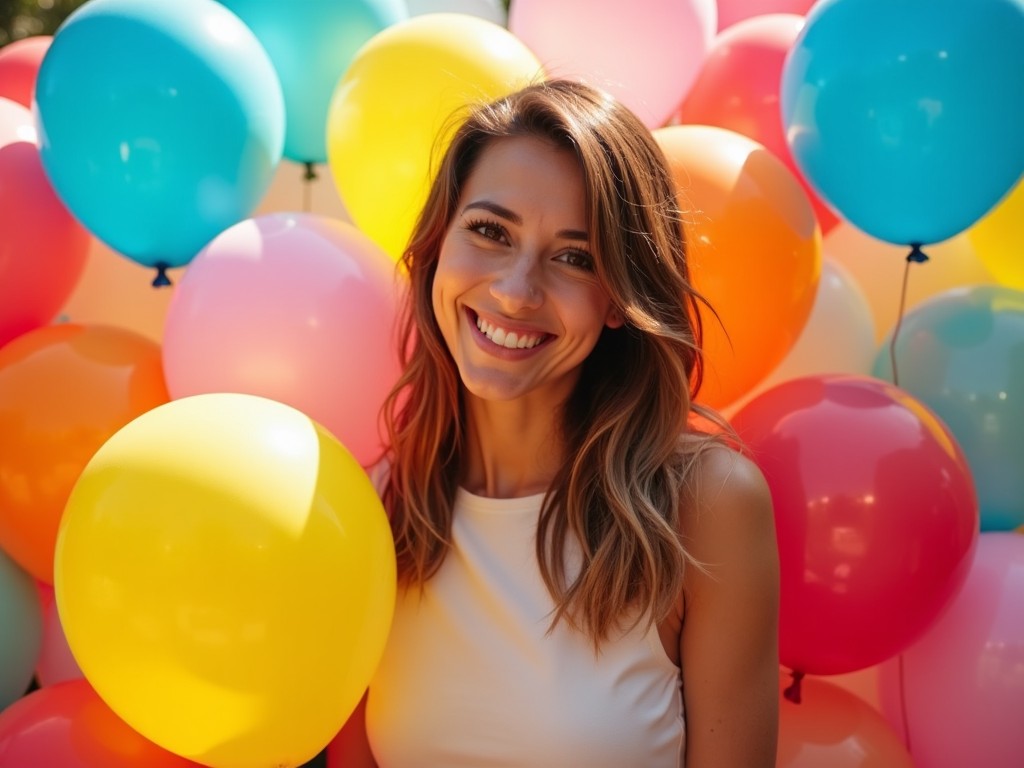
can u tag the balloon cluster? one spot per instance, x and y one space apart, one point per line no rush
191 550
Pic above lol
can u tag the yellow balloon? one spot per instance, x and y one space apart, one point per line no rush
225 576
400 90
998 239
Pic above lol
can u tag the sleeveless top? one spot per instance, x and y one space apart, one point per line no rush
471 676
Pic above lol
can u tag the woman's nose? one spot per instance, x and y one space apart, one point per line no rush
518 285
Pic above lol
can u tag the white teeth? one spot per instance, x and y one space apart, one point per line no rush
507 339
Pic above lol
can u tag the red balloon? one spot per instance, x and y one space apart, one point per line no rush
69 726
738 88
19 67
876 516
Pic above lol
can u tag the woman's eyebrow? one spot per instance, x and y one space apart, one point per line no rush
509 215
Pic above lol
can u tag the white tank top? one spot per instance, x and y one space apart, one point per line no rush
471 677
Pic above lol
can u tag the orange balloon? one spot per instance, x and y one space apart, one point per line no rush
832 727
64 390
754 249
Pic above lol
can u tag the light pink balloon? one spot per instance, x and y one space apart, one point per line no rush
963 682
731 11
646 53
297 308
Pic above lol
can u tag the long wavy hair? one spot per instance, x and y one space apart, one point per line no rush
629 461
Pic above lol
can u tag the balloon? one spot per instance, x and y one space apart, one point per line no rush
745 215
832 727
64 389
876 516
226 577
160 124
56 663
492 10
22 622
43 249
19 65
68 725
998 239
962 354
311 44
297 308
733 11
738 88
839 336
387 112
906 116
959 690
878 268
645 53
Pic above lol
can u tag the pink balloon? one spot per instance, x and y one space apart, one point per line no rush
732 11
963 682
876 516
42 247
738 88
19 66
646 53
297 308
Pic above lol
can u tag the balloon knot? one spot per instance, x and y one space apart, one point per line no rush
310 174
916 255
161 278
793 693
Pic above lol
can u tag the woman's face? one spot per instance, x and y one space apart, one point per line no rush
515 294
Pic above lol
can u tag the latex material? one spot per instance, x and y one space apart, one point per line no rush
733 11
64 389
876 516
745 215
230 553
961 354
42 247
160 123
55 664
999 239
21 638
646 53
19 66
491 10
298 308
906 116
968 669
311 44
387 112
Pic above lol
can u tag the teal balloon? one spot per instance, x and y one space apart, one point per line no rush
961 353
160 123
21 630
311 43
907 116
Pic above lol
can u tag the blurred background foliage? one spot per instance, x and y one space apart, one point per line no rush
25 18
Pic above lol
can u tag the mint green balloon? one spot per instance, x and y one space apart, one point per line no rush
21 630
961 353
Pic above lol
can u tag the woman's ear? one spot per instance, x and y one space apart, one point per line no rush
615 318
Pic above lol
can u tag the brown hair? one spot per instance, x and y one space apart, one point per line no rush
630 457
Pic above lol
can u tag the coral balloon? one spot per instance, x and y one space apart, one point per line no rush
961 353
738 88
19 66
746 216
297 308
402 87
646 53
43 249
832 727
68 725
906 116
876 516
732 11
968 669
64 389
998 239
21 638
229 552
160 124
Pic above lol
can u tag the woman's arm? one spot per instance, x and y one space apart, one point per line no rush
729 640
350 748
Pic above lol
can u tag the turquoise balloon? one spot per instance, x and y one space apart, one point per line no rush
907 116
961 353
311 44
21 630
160 123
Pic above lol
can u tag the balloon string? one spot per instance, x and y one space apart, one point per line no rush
916 256
161 278
793 692
307 188
903 704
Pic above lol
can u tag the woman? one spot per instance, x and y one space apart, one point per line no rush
586 579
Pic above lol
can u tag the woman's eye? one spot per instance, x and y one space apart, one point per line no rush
578 259
488 229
